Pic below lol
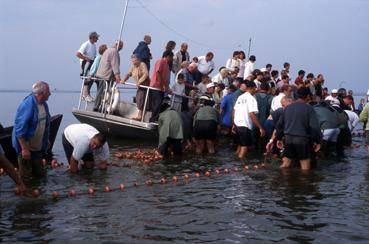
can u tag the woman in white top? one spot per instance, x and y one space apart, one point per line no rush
242 63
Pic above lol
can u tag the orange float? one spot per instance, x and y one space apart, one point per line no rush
175 179
35 193
121 186
106 189
226 171
163 181
186 177
149 182
72 193
90 191
55 195
197 174
207 174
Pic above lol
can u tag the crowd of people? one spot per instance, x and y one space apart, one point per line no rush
262 110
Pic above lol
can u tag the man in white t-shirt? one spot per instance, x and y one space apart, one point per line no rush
244 119
206 64
249 67
83 143
285 90
87 53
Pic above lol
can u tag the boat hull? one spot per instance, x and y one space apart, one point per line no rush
117 126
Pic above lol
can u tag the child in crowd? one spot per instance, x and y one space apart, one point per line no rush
178 90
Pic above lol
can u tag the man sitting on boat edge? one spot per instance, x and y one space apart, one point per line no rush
82 142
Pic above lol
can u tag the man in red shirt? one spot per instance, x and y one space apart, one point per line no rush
300 78
160 80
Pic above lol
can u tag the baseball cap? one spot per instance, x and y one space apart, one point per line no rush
210 85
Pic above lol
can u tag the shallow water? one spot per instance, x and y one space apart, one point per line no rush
329 204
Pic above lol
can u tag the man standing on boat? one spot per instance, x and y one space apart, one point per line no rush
143 51
109 70
87 53
160 81
180 56
30 136
83 143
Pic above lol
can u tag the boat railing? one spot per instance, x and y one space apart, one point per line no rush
108 109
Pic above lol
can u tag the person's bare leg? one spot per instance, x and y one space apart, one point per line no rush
200 144
305 164
286 162
210 145
238 150
243 152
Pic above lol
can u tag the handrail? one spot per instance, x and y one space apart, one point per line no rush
108 87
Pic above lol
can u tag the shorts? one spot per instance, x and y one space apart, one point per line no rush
68 149
345 137
297 147
367 137
205 130
243 136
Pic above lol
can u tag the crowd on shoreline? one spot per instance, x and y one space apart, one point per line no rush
261 109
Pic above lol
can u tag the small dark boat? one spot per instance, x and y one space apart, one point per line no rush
6 138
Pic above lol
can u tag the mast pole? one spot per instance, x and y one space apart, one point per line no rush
248 52
123 20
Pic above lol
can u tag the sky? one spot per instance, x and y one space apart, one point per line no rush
39 38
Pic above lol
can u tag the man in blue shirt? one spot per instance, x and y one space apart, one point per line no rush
226 107
30 136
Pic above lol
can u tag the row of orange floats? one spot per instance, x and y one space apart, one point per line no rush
55 195
145 157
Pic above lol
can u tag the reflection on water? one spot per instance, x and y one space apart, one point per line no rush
329 204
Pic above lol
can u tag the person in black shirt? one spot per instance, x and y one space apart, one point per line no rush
300 129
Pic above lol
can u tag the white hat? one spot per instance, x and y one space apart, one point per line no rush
210 85
367 92
205 97
334 91
263 70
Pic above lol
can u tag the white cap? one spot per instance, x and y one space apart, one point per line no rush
334 91
263 70
210 85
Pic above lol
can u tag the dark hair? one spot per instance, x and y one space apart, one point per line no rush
264 86
284 77
210 53
167 53
235 53
170 45
303 92
252 58
250 84
221 68
256 72
243 53
180 76
274 73
100 137
268 65
310 75
232 87
286 64
301 72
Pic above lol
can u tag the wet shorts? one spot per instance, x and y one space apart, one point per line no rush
297 147
205 129
243 136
